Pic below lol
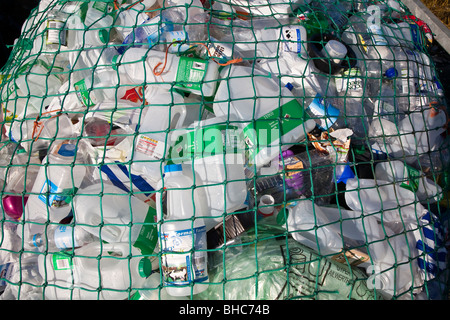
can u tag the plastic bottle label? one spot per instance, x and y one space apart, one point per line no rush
55 33
5 273
148 235
320 108
179 268
152 148
62 261
411 178
83 93
405 86
190 73
64 238
102 6
56 197
293 39
205 142
272 126
220 50
351 80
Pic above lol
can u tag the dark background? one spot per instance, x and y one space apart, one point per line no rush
13 13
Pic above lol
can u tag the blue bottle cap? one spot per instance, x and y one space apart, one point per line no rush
173 168
289 86
67 150
391 73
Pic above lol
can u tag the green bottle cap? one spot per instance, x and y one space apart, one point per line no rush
145 268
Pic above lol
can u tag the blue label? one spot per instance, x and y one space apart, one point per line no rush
325 113
53 199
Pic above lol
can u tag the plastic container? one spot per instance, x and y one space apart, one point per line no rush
263 139
165 110
410 178
62 237
182 235
213 149
193 75
116 217
59 177
80 277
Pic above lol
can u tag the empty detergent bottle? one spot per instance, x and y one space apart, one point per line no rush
58 179
81 276
248 94
214 149
165 109
182 236
197 76
117 216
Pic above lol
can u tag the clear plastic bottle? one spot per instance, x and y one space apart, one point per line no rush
62 237
56 33
182 235
350 86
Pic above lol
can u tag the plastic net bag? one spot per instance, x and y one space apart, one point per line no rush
223 150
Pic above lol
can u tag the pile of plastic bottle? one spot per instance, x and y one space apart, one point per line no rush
187 149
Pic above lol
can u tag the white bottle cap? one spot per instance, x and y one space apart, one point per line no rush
335 50
266 207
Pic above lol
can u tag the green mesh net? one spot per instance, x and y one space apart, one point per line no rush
223 150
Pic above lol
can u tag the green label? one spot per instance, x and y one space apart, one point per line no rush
83 93
205 142
148 236
62 261
412 177
190 73
272 126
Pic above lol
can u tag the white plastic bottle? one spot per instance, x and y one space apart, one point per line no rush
336 229
421 131
216 153
84 277
258 39
60 175
165 110
34 137
39 79
369 196
193 75
248 94
62 237
410 178
182 235
116 216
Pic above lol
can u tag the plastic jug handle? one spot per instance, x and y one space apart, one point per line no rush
181 111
